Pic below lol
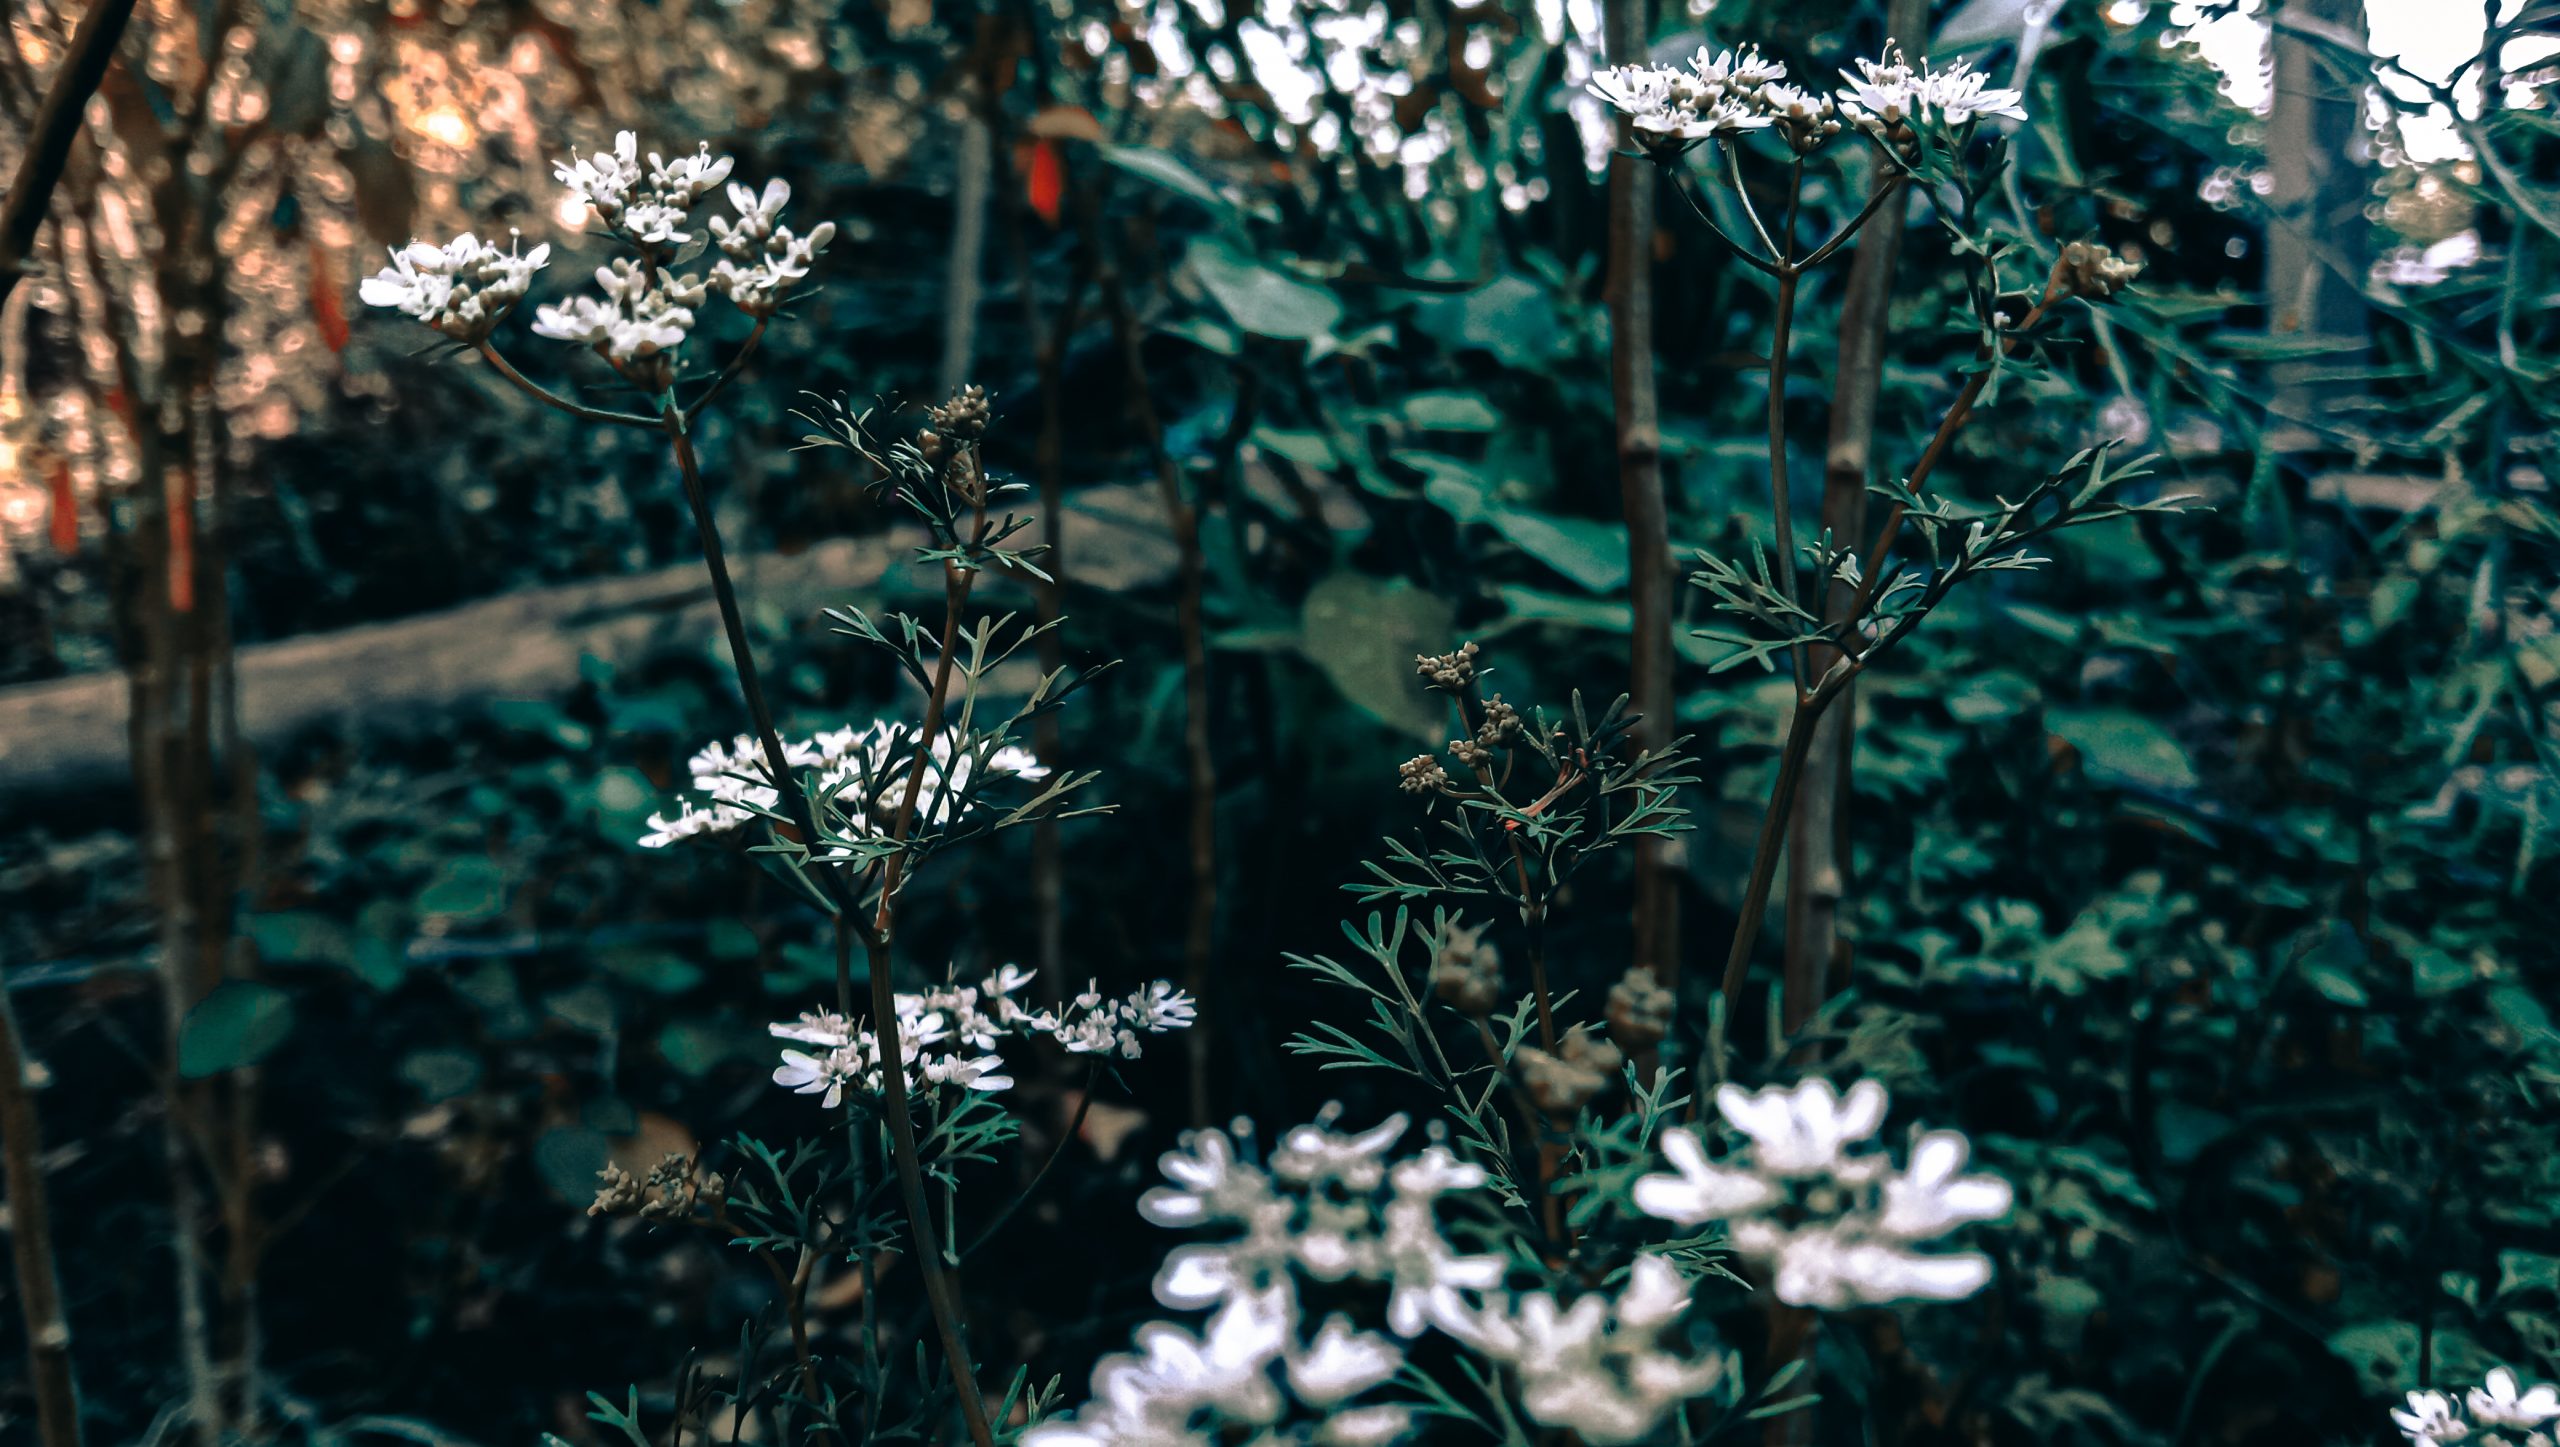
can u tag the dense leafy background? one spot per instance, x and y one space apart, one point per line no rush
2202 876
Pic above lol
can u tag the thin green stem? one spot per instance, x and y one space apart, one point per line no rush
1773 828
1781 497
940 1295
1031 1188
549 398
724 592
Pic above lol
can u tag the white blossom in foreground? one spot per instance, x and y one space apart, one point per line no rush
1596 1367
1831 1222
461 288
861 773
1883 96
2500 1413
1330 1207
1333 1206
1327 1205
949 1036
1178 1389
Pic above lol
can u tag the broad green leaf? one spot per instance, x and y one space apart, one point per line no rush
1364 632
1162 169
1591 553
1531 605
441 1074
1450 412
1260 299
569 1158
2119 745
469 887
239 1024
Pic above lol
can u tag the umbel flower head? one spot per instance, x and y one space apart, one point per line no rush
949 1035
858 772
1830 1221
462 288
1596 1366
1716 95
1888 98
646 308
2497 1413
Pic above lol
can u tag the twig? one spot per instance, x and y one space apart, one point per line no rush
22 211
31 1243
1031 1188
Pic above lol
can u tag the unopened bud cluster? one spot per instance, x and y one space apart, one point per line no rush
668 1193
1582 1067
1466 971
1639 1009
1449 672
2086 269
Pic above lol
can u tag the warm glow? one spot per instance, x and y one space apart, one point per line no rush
446 126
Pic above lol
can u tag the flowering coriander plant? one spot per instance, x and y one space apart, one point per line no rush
1562 1233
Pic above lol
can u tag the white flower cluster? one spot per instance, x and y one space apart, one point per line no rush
1597 1367
738 787
1723 95
461 288
644 312
2500 1415
1714 95
1160 1394
949 1035
647 206
1832 1224
1883 95
760 256
1330 1206
647 307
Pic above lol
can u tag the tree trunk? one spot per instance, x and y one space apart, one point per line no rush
1659 862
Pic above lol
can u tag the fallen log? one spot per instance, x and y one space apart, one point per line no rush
67 735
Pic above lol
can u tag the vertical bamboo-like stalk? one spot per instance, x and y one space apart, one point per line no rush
31 1242
969 196
1048 340
1658 863
1200 762
1818 842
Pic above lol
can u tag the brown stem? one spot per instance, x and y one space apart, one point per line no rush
1773 828
1189 617
31 1242
1781 501
22 211
1819 862
1873 561
1818 839
1659 861
724 592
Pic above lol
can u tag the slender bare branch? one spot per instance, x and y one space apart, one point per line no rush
22 211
